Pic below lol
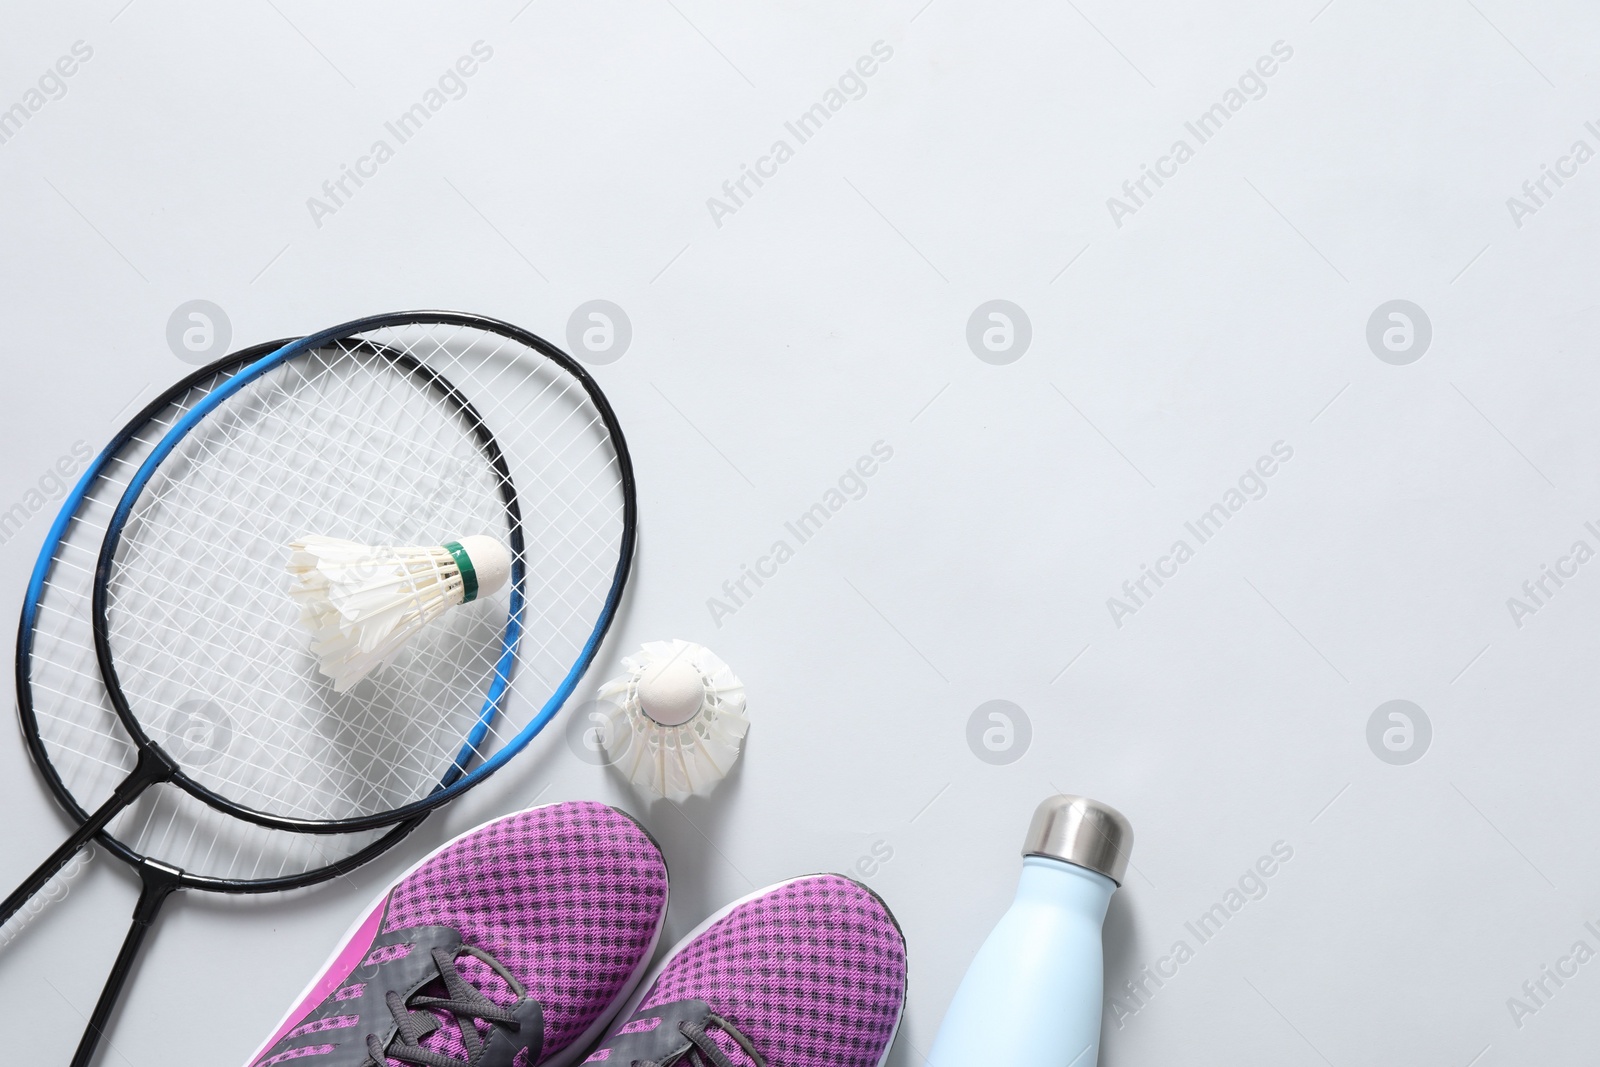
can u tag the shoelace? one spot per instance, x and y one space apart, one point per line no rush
702 1051
464 1001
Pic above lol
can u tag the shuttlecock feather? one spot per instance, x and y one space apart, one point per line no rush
362 603
678 722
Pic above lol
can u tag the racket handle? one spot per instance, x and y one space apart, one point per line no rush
157 882
150 769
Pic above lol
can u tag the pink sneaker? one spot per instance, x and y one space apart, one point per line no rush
511 946
806 973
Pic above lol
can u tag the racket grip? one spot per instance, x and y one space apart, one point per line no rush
157 882
150 769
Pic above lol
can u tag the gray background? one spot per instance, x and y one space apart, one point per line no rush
830 311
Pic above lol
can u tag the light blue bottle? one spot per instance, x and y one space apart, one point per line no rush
1033 995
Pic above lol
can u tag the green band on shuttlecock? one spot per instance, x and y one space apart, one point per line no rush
469 574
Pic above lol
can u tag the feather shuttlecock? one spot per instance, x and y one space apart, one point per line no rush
679 720
362 603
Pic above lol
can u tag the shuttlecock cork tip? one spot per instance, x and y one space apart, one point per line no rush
488 562
672 692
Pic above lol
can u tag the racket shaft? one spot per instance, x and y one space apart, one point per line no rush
158 883
148 771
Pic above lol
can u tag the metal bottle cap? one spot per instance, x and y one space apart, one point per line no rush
1081 831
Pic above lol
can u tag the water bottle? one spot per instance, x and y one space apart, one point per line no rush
1034 993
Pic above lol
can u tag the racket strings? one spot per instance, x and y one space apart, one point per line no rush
78 724
87 746
597 545
598 446
336 442
227 466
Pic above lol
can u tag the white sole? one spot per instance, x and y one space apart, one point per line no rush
637 998
580 1045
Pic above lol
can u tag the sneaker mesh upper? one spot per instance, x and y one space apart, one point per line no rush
568 898
812 971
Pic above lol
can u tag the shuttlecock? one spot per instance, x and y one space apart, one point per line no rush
362 603
679 720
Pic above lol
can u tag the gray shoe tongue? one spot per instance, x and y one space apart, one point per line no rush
655 1034
504 1048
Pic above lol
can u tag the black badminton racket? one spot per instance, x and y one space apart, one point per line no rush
80 747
